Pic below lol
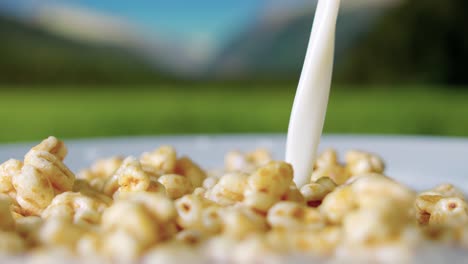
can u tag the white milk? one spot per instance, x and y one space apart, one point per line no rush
310 103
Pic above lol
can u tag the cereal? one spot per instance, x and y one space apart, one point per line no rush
76 207
58 174
34 190
161 160
51 145
176 185
186 167
161 207
8 170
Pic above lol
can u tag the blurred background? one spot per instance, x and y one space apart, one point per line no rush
89 68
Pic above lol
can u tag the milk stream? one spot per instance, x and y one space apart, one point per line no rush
310 102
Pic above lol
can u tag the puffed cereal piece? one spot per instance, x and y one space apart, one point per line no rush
174 253
89 244
294 195
368 226
7 223
78 208
176 185
236 161
239 222
28 227
449 212
34 191
314 193
190 208
189 236
448 190
337 173
286 215
8 170
293 216
185 166
248 162
253 249
122 247
338 203
273 178
60 232
315 242
131 177
161 160
229 189
372 188
209 182
359 162
161 208
259 201
134 219
424 205
328 158
83 187
105 168
52 167
52 145
211 219
11 243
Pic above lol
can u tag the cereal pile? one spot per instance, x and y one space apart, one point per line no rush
161 208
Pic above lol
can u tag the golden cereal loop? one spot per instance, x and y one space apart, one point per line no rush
328 158
273 178
185 166
34 191
229 189
176 185
60 232
11 243
449 212
337 173
337 204
294 195
105 168
7 223
448 190
53 146
240 222
8 170
161 160
133 219
131 177
286 215
59 175
359 162
75 207
259 201
161 208
189 209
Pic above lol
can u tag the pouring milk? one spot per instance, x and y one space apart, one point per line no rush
310 102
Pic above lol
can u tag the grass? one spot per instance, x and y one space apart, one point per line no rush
73 112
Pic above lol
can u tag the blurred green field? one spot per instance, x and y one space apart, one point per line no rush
76 112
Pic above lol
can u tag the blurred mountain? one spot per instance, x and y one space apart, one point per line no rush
275 46
418 41
30 54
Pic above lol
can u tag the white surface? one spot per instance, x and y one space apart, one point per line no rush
310 102
421 162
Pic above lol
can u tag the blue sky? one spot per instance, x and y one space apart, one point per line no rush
213 17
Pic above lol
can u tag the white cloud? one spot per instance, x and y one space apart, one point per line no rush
85 24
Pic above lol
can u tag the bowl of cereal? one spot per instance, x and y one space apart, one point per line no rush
230 198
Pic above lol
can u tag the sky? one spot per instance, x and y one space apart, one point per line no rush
211 17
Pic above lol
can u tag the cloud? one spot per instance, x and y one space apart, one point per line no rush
85 24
